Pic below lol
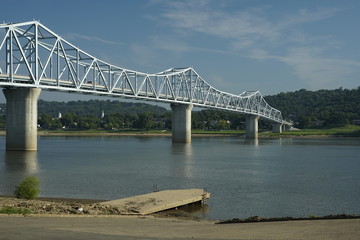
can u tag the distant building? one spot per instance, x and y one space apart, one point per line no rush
160 121
356 122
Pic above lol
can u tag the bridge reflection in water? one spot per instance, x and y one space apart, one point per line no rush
18 165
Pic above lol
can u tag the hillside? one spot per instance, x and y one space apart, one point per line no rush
308 109
322 108
95 108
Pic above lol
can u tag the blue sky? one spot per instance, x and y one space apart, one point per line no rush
235 45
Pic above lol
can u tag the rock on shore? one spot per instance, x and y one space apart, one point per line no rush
62 206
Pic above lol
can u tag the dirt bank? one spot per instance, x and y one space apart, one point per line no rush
66 206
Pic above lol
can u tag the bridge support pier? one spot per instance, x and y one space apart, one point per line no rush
181 123
252 126
277 127
21 118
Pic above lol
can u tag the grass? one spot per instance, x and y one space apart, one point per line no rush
14 210
347 131
198 131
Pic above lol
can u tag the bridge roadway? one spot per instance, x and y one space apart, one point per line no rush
32 58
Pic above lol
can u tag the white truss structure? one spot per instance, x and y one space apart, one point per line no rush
31 55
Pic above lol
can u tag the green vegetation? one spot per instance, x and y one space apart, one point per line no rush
14 210
347 131
319 109
230 132
28 188
324 112
102 131
95 108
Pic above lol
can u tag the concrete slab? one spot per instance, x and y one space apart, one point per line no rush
159 201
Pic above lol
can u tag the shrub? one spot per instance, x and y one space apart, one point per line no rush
28 188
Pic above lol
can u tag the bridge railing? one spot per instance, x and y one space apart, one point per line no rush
31 55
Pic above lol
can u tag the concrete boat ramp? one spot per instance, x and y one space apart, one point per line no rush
159 201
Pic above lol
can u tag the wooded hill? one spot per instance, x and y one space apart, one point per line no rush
95 108
308 109
322 108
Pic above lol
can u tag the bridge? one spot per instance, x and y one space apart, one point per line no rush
33 57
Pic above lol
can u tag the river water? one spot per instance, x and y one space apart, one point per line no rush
271 177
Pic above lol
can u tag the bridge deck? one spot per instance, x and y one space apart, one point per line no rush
159 201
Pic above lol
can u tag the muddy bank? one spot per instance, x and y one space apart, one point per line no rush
279 219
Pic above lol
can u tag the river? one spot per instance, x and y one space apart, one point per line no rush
271 177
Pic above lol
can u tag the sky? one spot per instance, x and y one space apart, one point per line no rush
271 46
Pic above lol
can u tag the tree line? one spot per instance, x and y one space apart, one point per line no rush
320 109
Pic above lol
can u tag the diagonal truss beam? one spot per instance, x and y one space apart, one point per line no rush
31 55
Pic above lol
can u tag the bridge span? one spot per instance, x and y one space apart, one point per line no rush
33 57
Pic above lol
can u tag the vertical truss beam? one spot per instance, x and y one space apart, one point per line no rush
43 58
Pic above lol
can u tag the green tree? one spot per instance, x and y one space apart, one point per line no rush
144 121
223 124
28 188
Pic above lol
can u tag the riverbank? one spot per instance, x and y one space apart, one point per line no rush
347 131
87 219
89 133
92 207
68 206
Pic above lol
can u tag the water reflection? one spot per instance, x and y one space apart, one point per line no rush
18 165
183 153
254 142
25 162
198 209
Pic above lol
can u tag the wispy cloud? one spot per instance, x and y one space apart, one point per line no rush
175 45
71 36
311 66
252 33
250 26
317 70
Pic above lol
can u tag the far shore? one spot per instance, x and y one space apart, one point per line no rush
137 134
196 133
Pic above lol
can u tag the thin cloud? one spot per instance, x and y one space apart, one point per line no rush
310 66
91 38
174 45
250 25
252 33
304 16
203 19
317 70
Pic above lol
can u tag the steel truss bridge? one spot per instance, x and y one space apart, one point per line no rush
33 56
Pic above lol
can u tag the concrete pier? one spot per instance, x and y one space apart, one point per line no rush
277 127
252 126
181 123
158 201
21 118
